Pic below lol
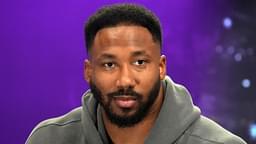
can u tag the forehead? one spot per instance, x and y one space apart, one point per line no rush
124 39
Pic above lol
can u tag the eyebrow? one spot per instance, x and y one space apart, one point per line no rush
134 54
139 53
107 56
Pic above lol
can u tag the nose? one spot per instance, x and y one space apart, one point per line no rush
126 78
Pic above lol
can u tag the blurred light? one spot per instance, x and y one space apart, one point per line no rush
250 51
242 51
231 50
246 83
219 49
238 57
227 22
252 131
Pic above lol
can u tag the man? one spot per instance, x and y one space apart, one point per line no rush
131 100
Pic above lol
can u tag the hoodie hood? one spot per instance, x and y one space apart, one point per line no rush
176 115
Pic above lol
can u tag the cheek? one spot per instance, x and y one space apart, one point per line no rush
148 79
103 81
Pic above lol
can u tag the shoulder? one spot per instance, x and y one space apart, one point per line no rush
48 131
209 131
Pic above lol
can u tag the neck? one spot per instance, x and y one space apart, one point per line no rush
137 133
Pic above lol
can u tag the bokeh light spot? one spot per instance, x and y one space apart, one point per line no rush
246 83
227 22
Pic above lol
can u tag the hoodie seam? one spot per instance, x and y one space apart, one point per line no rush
55 124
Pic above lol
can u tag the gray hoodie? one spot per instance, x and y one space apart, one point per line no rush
179 122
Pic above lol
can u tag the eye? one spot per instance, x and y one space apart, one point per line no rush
109 65
139 62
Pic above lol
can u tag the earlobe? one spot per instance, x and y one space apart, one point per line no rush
87 70
162 67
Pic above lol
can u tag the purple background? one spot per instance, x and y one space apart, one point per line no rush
42 53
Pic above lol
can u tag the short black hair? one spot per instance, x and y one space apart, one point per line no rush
122 14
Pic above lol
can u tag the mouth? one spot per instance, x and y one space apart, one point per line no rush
125 101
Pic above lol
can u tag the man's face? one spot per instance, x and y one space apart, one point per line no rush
124 73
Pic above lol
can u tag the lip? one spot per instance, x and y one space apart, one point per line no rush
125 97
125 101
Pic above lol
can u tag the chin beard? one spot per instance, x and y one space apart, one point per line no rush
126 120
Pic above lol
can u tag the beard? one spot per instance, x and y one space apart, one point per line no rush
125 120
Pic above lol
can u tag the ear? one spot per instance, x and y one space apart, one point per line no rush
162 67
87 70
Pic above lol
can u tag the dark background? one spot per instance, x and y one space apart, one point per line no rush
210 47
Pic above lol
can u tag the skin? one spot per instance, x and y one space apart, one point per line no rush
126 57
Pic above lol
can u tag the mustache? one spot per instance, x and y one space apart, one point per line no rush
122 92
